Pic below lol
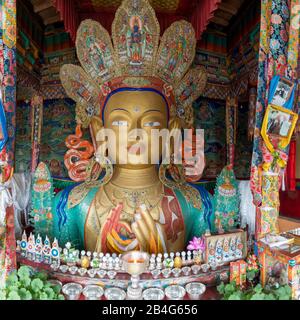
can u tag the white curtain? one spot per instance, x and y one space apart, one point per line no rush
247 208
20 185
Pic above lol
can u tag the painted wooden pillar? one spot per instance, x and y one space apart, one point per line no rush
231 126
36 129
8 70
278 55
8 101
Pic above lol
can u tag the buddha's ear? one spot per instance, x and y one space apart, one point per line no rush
174 124
96 125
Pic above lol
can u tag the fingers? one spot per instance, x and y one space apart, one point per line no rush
143 227
142 241
146 215
147 234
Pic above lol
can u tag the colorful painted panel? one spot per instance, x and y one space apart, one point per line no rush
58 123
23 138
8 68
210 116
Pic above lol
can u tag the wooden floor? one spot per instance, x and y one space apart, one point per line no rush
286 224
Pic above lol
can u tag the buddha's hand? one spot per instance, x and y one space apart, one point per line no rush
149 233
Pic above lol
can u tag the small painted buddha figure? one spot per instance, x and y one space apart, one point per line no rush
132 204
226 200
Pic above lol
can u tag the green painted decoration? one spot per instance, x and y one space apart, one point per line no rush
42 194
226 201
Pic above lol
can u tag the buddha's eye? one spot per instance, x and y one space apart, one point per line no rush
152 124
120 123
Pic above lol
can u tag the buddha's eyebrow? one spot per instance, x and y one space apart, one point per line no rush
154 110
120 109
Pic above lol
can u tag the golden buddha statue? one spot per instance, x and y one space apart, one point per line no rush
130 204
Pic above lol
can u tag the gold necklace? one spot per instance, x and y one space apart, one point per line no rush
134 198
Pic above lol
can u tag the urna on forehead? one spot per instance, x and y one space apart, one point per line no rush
136 101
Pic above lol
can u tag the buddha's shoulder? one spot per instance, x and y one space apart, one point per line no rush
190 194
195 194
75 197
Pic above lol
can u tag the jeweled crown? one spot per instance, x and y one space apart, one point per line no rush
138 58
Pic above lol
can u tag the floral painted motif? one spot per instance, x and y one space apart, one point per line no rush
278 55
8 68
8 85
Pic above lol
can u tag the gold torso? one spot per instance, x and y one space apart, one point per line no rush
108 197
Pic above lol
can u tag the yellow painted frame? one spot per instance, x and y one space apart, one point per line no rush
284 141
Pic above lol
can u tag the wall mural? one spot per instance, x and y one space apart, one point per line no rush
59 122
23 137
210 116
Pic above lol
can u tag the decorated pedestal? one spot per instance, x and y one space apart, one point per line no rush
280 265
122 279
133 272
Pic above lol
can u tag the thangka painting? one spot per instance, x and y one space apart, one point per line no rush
58 123
23 138
210 116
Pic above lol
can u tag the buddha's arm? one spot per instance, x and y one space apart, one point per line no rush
65 224
204 218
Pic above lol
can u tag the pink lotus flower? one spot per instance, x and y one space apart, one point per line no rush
197 244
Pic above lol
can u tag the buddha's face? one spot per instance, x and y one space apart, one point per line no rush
130 110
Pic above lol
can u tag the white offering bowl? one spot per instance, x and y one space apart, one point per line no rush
135 263
175 292
196 269
166 272
72 291
93 292
153 294
73 269
114 294
186 271
54 266
82 271
155 273
176 272
111 274
63 268
205 267
101 273
195 290
213 266
92 273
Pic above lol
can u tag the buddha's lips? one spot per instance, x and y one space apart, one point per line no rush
136 150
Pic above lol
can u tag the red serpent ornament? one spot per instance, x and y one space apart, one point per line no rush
78 156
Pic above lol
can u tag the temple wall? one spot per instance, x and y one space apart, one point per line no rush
231 62
228 61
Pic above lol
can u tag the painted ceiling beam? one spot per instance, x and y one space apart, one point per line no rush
42 5
226 7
